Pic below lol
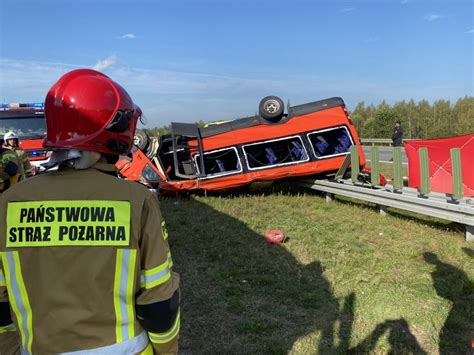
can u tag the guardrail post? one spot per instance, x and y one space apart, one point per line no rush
397 169
374 166
382 210
354 163
329 197
342 170
424 172
469 233
457 191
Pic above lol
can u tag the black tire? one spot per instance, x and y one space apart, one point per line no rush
141 140
271 108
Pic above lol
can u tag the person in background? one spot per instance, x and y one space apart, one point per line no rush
8 168
85 263
397 135
24 167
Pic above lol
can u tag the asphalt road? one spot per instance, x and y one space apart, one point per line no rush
385 154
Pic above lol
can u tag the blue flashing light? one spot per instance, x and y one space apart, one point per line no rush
37 153
15 105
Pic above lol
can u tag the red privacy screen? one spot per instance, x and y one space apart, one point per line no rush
440 162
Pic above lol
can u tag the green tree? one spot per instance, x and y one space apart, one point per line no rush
442 120
359 116
464 116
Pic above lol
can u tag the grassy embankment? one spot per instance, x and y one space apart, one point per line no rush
346 280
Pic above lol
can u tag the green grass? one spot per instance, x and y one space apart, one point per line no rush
346 280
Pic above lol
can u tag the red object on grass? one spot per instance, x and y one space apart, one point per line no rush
367 172
275 236
440 162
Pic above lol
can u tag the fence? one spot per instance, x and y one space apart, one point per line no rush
453 207
378 141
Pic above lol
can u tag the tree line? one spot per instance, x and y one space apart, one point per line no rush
420 119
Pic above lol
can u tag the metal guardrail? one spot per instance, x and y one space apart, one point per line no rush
378 141
453 207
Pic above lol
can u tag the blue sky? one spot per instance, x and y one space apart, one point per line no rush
209 60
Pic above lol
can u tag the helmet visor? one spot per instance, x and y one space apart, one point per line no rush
121 121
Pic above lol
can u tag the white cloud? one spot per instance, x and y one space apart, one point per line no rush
128 36
470 31
105 63
433 17
348 9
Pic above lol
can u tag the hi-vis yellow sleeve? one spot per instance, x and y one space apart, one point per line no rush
68 223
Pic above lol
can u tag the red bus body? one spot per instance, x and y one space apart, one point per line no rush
255 149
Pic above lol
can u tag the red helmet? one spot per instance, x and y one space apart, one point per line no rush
86 110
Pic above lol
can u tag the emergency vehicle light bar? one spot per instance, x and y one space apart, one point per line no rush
14 105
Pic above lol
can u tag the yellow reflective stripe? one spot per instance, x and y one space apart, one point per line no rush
148 350
124 281
8 328
2 279
18 297
118 311
24 297
161 338
170 260
130 300
156 276
164 230
156 269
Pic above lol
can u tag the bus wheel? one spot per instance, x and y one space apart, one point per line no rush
141 140
271 108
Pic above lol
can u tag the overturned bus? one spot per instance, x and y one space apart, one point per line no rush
309 139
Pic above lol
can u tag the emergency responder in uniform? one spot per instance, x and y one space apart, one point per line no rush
12 142
85 261
8 168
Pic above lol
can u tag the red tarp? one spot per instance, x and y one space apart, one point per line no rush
440 162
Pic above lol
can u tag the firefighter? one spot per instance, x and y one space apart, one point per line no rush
8 168
85 261
12 142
